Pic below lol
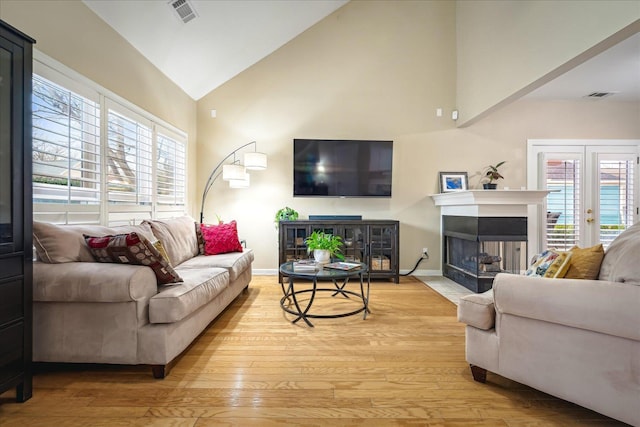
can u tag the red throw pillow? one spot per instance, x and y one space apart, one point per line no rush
135 249
221 238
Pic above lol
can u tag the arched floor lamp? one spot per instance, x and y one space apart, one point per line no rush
235 172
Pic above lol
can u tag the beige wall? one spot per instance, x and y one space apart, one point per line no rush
375 70
72 34
370 70
504 47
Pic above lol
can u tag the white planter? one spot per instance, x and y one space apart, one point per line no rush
322 256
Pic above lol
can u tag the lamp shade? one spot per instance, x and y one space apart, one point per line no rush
255 161
240 183
230 172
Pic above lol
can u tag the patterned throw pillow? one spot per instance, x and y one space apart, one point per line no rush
559 267
133 249
221 238
160 248
542 262
200 238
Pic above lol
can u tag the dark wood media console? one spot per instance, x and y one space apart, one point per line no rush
374 242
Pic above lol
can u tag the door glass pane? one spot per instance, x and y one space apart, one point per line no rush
616 198
562 176
6 233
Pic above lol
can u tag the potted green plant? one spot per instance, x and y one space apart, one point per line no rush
285 214
324 246
491 173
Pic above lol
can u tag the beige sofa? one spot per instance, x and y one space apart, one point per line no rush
90 312
575 339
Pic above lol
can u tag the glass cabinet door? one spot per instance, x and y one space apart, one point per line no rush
382 247
354 238
294 246
6 208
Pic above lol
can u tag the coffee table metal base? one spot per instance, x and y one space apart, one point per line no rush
291 304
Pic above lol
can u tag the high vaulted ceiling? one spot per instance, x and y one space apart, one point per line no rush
229 36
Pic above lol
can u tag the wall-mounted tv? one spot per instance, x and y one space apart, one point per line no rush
342 168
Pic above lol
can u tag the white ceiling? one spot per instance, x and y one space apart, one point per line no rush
229 36
616 70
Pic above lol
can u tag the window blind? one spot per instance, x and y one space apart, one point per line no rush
66 145
563 204
170 170
129 160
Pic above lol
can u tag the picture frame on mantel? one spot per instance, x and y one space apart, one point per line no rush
453 181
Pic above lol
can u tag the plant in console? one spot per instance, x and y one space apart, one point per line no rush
325 241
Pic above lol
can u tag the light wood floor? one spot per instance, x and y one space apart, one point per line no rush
402 366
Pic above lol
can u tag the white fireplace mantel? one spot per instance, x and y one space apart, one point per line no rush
494 203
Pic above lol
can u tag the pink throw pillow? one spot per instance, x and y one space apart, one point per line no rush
220 239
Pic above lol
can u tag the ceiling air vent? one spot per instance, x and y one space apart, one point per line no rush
599 95
184 9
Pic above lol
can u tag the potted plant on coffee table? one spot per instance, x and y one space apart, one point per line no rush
324 246
491 172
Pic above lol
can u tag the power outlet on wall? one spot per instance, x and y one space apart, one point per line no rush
425 252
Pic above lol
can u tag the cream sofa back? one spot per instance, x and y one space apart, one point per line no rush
178 236
65 243
620 263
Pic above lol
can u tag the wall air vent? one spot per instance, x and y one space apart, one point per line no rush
183 9
600 95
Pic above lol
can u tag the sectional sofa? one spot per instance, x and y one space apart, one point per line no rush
86 311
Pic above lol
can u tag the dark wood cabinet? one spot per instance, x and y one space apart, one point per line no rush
374 242
15 212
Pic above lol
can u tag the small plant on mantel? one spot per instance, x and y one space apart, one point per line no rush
320 241
491 172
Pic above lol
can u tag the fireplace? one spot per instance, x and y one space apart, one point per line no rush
475 249
485 232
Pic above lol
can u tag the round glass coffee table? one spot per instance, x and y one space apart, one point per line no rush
339 278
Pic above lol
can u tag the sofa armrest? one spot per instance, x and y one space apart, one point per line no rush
92 282
595 305
478 310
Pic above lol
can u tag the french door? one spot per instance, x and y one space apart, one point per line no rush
594 190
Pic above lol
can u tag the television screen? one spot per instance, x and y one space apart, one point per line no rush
342 168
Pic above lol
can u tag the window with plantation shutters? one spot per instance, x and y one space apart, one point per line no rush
170 170
129 160
562 177
66 145
616 195
98 158
594 190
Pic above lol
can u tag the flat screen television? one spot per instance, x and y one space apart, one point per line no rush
342 168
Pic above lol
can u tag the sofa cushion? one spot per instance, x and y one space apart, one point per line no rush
132 249
178 236
221 238
174 303
235 262
585 262
478 310
620 263
65 243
